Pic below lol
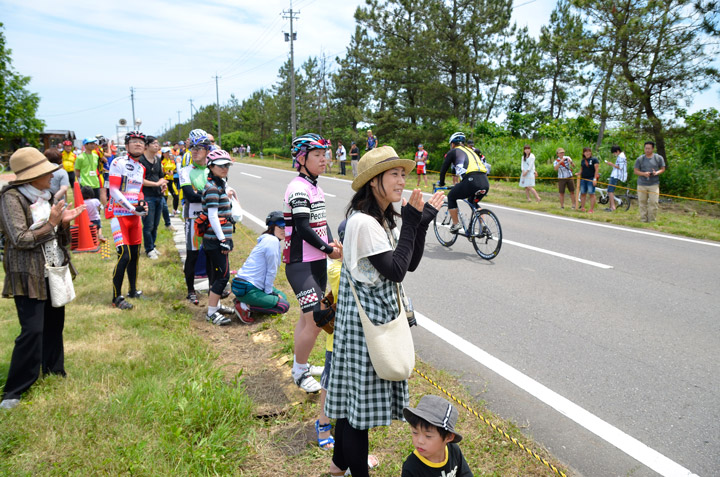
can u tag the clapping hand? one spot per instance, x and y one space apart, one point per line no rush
337 250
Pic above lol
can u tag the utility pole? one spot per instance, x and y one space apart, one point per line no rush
178 126
217 103
291 38
192 118
132 100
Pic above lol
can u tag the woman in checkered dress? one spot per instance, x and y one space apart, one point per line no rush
374 263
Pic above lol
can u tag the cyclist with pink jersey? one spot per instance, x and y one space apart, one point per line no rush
308 243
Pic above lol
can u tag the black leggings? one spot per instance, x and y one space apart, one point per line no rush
467 187
174 193
351 448
191 259
128 259
218 269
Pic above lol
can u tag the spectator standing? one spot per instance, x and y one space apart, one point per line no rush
87 166
60 182
527 176
68 161
126 207
619 174
308 244
33 239
564 166
371 142
218 242
421 164
154 185
588 178
648 168
247 149
328 158
170 170
354 157
341 156
376 258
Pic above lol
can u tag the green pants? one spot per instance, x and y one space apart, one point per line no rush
258 300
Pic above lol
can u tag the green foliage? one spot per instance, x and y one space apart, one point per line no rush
18 106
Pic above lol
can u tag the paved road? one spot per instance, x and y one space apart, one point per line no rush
625 343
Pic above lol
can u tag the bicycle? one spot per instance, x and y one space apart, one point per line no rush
621 201
482 229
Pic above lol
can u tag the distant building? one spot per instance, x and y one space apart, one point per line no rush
52 137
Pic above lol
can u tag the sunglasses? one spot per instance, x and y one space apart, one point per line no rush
222 166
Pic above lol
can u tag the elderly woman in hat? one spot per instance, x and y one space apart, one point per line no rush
376 257
34 227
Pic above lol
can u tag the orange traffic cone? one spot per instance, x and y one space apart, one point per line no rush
85 241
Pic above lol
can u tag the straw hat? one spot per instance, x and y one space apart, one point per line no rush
29 164
376 161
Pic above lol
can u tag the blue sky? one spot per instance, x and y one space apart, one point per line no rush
84 56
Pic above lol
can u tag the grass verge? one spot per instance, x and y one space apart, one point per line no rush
159 391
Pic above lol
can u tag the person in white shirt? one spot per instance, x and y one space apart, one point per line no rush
619 174
341 156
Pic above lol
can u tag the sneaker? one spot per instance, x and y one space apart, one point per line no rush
455 228
122 304
170 228
157 251
192 298
218 318
242 311
316 370
136 294
225 310
307 383
153 255
608 209
9 403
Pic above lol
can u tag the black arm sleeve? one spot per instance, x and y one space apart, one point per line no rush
190 195
394 264
301 226
428 214
449 157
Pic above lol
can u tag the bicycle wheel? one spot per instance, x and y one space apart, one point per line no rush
442 225
626 201
486 234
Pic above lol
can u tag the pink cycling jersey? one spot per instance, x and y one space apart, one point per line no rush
304 198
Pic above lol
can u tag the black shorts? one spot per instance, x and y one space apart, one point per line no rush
468 186
308 281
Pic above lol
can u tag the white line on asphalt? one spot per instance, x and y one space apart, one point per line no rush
251 175
551 216
614 227
626 443
557 254
329 194
250 216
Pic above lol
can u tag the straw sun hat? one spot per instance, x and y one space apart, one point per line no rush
376 161
28 164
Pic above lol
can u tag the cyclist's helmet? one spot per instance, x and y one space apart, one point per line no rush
301 145
275 217
67 143
132 135
457 138
218 157
199 137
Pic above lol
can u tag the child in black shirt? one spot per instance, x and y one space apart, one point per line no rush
436 452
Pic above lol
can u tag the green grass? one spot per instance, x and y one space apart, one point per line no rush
146 394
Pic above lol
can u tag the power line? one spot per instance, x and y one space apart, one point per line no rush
124 98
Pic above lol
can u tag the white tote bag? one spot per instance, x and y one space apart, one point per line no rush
62 290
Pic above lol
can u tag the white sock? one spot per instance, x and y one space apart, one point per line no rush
212 310
298 368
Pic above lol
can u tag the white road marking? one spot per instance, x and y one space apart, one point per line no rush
626 443
613 227
251 175
329 194
250 216
557 254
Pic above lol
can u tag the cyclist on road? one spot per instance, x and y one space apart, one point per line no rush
126 206
308 243
470 168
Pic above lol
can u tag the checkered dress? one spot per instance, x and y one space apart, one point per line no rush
355 392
